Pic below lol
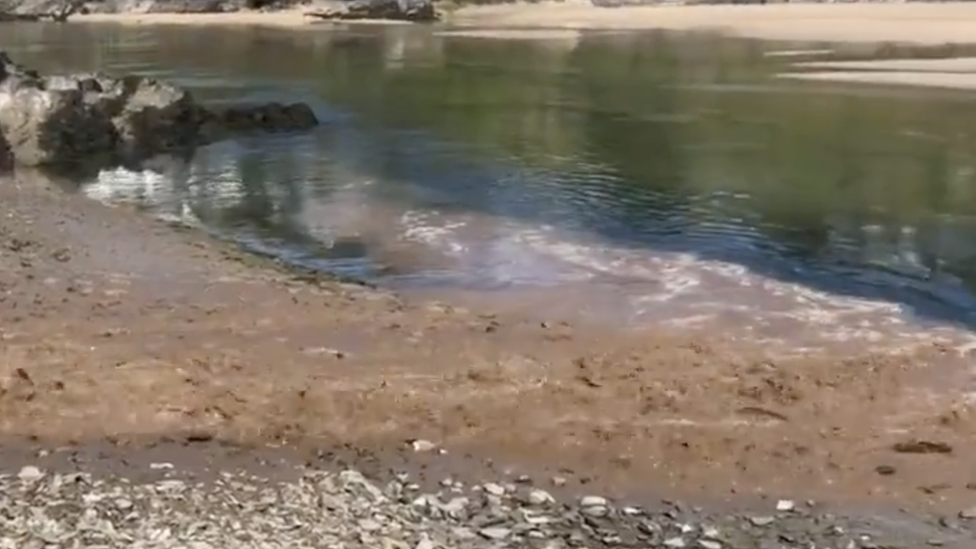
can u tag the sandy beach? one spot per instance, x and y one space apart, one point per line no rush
117 325
923 23
124 336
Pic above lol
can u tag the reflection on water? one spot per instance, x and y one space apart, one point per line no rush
653 178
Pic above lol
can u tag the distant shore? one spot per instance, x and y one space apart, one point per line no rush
923 24
917 23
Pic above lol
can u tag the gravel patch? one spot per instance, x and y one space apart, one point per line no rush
344 509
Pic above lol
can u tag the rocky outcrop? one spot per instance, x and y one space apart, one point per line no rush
63 120
34 10
395 10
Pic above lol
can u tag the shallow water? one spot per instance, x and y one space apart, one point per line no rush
631 178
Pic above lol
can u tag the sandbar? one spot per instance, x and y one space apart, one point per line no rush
930 79
921 23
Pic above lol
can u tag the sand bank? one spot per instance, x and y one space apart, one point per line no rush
930 79
921 23
958 65
909 23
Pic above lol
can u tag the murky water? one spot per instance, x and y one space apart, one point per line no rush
633 178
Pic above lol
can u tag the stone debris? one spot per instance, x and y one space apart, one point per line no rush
346 509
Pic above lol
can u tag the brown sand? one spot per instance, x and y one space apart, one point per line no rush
116 325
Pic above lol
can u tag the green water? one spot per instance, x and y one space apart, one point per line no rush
635 148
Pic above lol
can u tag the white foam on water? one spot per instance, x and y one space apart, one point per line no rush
640 286
647 286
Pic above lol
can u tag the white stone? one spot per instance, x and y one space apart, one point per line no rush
30 473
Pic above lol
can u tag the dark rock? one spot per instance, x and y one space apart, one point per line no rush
220 122
397 10
192 6
95 118
922 447
6 156
885 470
273 117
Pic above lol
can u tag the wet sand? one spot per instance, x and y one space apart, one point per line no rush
119 327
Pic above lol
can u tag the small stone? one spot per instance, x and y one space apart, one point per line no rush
558 481
968 514
463 533
494 489
675 543
456 505
421 445
711 532
631 511
447 483
123 504
709 544
158 466
785 505
30 473
425 542
593 501
495 533
524 479
369 525
885 470
596 511
922 447
761 521
540 497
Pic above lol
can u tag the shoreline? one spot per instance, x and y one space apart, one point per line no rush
116 325
909 23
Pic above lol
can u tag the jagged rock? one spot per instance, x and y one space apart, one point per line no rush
397 10
64 120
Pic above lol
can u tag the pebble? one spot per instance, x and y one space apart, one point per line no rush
349 510
425 542
494 489
421 445
710 532
785 505
968 514
30 473
495 533
540 497
595 511
762 521
593 501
